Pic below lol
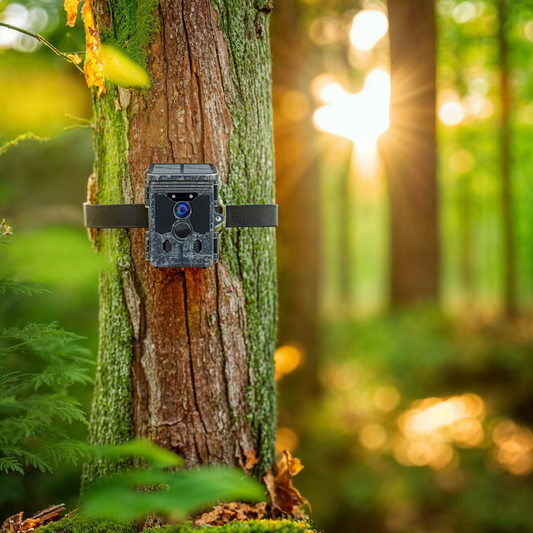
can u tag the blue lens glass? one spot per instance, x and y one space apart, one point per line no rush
182 209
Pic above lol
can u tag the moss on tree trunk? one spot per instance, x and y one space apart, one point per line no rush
186 355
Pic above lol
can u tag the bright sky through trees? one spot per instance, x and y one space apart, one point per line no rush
368 27
361 117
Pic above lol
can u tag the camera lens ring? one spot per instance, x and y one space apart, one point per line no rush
182 210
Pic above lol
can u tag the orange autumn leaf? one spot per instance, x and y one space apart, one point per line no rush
92 67
71 7
284 497
75 58
251 459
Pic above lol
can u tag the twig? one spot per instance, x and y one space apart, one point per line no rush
44 41
22 137
86 123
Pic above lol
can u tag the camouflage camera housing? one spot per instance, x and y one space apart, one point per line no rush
186 215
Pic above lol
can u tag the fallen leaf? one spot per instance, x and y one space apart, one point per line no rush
228 512
15 524
71 7
251 459
92 67
118 68
284 497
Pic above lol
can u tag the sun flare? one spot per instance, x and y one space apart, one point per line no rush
361 117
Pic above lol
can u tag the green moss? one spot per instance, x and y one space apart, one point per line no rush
134 26
251 253
252 526
111 421
80 524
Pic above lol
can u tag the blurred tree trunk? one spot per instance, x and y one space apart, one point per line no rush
410 153
505 158
346 216
465 221
297 181
186 355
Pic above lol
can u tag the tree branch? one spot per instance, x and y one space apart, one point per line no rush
44 41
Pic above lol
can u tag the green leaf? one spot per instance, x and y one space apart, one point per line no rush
187 492
155 455
120 69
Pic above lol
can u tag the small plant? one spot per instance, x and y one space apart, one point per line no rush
175 495
32 402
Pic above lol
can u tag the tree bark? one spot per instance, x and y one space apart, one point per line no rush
410 153
186 355
505 162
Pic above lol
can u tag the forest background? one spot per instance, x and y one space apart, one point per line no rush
408 418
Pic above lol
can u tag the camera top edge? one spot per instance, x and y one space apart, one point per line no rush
182 171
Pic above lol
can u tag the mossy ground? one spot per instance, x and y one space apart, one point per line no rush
79 524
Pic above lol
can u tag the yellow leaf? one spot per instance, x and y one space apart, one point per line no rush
75 57
71 7
120 69
92 66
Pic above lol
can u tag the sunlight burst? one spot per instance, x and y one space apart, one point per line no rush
361 117
368 27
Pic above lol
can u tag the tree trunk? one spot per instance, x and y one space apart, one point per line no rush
186 355
505 158
410 153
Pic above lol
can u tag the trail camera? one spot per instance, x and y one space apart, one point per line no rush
184 215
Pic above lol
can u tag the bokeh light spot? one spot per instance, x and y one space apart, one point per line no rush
368 27
373 436
286 439
461 161
387 398
451 113
286 359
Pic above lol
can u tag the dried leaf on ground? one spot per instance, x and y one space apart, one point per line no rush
15 524
92 67
284 497
228 512
71 7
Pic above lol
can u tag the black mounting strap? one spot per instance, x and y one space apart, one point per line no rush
115 216
136 216
252 216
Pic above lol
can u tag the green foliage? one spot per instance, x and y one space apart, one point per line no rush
81 524
420 354
141 492
32 401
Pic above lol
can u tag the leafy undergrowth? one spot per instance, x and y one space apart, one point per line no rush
81 524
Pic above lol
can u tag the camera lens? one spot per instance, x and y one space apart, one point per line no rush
182 209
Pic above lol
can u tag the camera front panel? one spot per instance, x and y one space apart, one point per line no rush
182 201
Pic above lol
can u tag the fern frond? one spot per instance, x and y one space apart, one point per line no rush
61 375
61 405
28 458
34 332
69 451
18 287
10 464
